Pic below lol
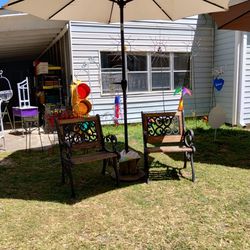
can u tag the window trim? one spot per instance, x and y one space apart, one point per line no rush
149 73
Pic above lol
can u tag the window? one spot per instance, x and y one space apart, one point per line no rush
111 65
181 70
160 68
145 71
137 72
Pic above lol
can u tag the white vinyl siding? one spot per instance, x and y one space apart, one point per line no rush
224 59
187 35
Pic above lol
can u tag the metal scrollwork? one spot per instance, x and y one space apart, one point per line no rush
110 142
80 132
189 138
163 125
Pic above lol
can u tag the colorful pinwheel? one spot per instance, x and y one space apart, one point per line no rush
183 91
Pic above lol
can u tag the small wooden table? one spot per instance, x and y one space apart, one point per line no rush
26 113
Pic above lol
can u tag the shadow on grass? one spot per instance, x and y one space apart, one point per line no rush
229 148
36 175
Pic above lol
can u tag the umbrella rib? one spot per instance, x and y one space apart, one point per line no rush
61 9
111 12
215 4
15 2
163 10
231 21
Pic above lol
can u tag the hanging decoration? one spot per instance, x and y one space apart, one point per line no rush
117 112
183 91
218 83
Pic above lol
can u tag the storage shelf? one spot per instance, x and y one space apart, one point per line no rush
52 87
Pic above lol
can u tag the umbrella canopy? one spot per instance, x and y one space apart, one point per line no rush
108 11
236 18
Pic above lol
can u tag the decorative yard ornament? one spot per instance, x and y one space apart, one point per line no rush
218 83
85 70
80 104
117 113
109 11
183 91
216 118
6 92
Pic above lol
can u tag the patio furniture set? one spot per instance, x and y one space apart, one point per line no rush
81 141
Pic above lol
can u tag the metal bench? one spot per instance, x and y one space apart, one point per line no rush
81 141
165 133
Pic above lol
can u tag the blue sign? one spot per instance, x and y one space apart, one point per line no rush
218 83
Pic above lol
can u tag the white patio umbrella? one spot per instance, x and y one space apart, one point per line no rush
109 11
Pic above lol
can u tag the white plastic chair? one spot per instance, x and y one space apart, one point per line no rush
29 114
23 93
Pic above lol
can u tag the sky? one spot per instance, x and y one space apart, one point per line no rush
2 2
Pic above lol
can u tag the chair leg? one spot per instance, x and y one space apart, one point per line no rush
146 167
185 160
62 167
192 166
115 166
104 164
39 132
69 172
63 173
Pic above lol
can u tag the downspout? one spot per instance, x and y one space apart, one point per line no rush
212 73
237 64
242 79
71 63
70 52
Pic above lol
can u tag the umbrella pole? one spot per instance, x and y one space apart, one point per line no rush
124 83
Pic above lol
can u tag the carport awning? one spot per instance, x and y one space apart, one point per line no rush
25 37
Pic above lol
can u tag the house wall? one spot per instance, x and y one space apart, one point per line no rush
224 59
191 34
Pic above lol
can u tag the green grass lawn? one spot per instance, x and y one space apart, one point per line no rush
170 212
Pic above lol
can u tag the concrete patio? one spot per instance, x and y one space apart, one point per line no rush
20 140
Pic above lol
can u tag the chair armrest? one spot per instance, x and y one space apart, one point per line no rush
110 144
189 139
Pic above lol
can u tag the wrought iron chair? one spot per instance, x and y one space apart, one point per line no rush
165 132
81 141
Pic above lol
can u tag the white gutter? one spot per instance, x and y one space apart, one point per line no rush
236 79
242 79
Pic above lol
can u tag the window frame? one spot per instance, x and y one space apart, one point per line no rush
149 72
